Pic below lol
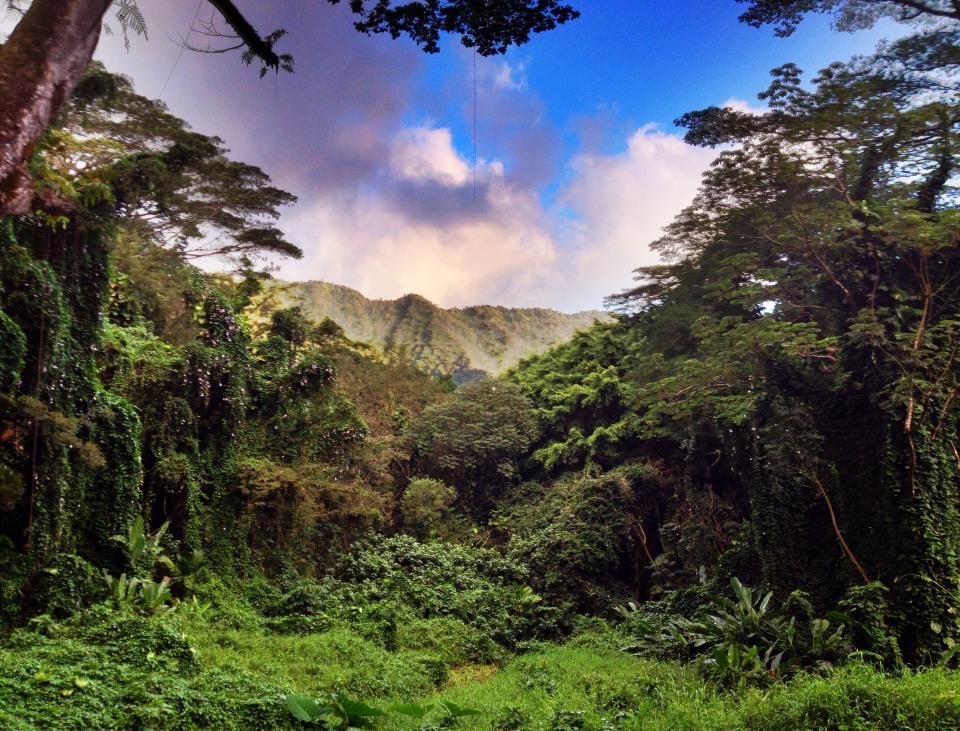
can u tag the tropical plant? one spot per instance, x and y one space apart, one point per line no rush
743 639
140 592
340 712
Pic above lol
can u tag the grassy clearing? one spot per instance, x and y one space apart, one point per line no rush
582 688
120 672
336 660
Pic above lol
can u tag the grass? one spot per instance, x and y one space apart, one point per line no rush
332 661
570 687
121 672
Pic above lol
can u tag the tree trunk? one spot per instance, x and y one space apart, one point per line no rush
40 65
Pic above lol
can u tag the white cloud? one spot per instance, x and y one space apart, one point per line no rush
496 250
504 75
739 105
504 248
421 154
622 202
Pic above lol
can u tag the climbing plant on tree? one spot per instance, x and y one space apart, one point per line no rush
823 326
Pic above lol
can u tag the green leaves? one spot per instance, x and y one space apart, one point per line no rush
743 641
473 439
142 593
456 711
343 712
136 540
412 710
170 184
584 391
304 708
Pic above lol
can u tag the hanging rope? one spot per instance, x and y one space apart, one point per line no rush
474 124
183 46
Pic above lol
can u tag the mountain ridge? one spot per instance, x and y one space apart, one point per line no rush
462 342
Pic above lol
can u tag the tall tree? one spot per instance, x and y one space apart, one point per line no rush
816 285
168 183
849 14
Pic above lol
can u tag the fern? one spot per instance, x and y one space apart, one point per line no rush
131 19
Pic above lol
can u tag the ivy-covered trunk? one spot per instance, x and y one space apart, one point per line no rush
72 455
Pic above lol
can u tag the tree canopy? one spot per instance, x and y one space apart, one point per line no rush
850 15
168 183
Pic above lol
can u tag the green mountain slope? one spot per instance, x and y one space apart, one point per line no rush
462 342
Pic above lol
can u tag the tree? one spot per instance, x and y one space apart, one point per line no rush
167 183
823 325
850 14
52 45
473 440
584 391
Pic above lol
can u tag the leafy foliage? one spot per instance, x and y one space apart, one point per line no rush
386 582
170 184
473 439
491 31
745 640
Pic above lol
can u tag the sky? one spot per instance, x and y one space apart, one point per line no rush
538 178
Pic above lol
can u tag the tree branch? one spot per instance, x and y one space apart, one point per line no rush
836 527
925 9
246 32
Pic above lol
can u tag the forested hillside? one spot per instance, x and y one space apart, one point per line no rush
464 343
733 504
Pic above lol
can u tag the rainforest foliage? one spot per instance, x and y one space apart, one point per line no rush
219 514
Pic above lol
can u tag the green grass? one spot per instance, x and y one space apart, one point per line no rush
574 687
332 661
112 671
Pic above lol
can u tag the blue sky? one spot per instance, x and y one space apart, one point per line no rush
625 63
579 163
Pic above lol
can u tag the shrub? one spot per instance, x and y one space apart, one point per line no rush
579 538
424 505
386 583
744 640
477 586
103 670
66 585
450 639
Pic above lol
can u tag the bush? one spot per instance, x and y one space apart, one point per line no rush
578 538
64 586
424 505
477 586
338 660
109 671
450 639
744 639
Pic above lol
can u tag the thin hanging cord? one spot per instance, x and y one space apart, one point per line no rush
182 48
474 123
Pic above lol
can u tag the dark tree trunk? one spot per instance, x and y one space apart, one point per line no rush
40 64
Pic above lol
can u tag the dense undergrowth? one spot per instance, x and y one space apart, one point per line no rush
101 671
